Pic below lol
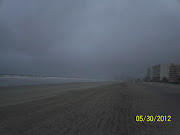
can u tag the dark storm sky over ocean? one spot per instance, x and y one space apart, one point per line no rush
88 38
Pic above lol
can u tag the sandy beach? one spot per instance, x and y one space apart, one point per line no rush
89 108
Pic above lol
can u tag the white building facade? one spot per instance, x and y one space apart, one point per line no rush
161 72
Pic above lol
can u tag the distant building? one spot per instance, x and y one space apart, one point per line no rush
164 72
174 73
149 74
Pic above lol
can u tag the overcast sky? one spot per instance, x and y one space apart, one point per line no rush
88 38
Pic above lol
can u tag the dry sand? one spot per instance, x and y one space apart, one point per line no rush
88 109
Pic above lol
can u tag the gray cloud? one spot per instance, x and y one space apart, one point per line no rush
97 38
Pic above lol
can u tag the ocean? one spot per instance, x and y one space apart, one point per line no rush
15 80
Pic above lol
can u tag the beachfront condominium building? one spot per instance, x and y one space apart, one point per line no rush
174 73
161 72
149 73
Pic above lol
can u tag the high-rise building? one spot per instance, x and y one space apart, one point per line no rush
149 73
162 72
174 73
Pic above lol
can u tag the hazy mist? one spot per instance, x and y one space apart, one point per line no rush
88 38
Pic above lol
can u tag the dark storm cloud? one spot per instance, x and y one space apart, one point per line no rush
97 38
